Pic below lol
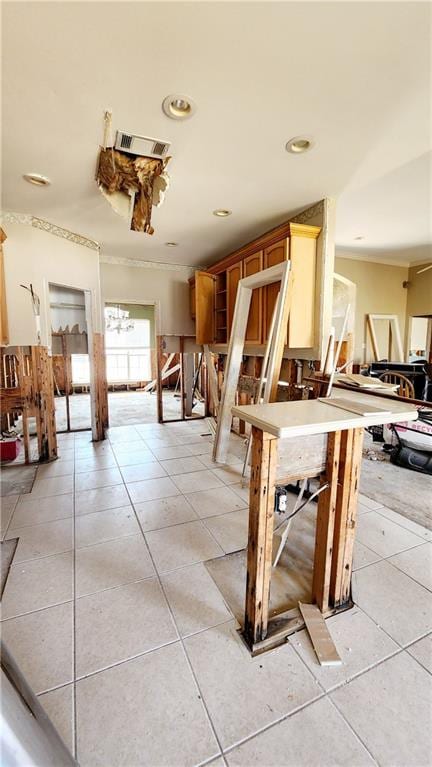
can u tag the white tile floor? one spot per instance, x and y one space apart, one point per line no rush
120 629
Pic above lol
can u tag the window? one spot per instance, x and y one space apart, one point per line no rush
80 369
128 352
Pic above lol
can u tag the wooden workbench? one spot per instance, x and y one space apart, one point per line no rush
337 504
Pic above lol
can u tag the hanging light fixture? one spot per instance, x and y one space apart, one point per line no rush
117 319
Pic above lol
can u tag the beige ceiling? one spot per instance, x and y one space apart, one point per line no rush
355 76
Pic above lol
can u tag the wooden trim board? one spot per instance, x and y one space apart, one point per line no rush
236 346
320 637
394 335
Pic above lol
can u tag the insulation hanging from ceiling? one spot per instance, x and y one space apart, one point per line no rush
131 184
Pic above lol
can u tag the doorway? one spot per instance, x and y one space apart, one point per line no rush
130 342
71 340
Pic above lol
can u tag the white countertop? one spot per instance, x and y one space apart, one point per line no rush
301 417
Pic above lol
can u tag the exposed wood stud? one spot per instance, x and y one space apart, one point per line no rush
346 513
259 556
325 524
101 387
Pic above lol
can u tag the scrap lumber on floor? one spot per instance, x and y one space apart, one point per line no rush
322 642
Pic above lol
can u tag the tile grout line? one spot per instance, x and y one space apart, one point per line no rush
212 727
338 685
10 519
181 639
395 522
351 728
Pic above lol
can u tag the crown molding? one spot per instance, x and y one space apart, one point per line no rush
372 259
46 226
159 265
305 215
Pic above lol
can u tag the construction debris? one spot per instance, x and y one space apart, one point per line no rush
134 178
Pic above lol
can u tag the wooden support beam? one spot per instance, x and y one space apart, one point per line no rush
259 555
188 383
182 379
325 524
159 352
282 313
67 378
100 384
212 378
44 400
243 400
346 513
373 338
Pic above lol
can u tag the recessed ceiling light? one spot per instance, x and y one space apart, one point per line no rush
222 212
178 106
359 237
171 244
299 144
36 179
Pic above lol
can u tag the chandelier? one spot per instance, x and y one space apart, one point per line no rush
117 319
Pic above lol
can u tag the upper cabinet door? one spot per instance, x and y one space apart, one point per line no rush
301 326
252 265
192 299
233 277
204 307
273 255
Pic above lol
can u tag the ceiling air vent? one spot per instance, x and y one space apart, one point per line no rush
141 146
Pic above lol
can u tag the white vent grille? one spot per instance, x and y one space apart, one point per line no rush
141 146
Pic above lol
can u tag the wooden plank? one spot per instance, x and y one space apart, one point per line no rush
322 642
100 387
232 371
182 380
188 383
44 400
212 378
300 417
260 539
395 333
346 514
364 382
205 306
354 407
373 338
243 400
283 308
159 400
325 525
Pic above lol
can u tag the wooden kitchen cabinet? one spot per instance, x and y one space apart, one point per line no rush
273 255
301 324
204 307
234 274
213 292
192 298
251 265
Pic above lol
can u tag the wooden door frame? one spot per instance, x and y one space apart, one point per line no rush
280 272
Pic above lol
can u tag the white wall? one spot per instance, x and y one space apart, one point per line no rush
167 289
34 256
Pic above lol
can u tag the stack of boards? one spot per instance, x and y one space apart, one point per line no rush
364 382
